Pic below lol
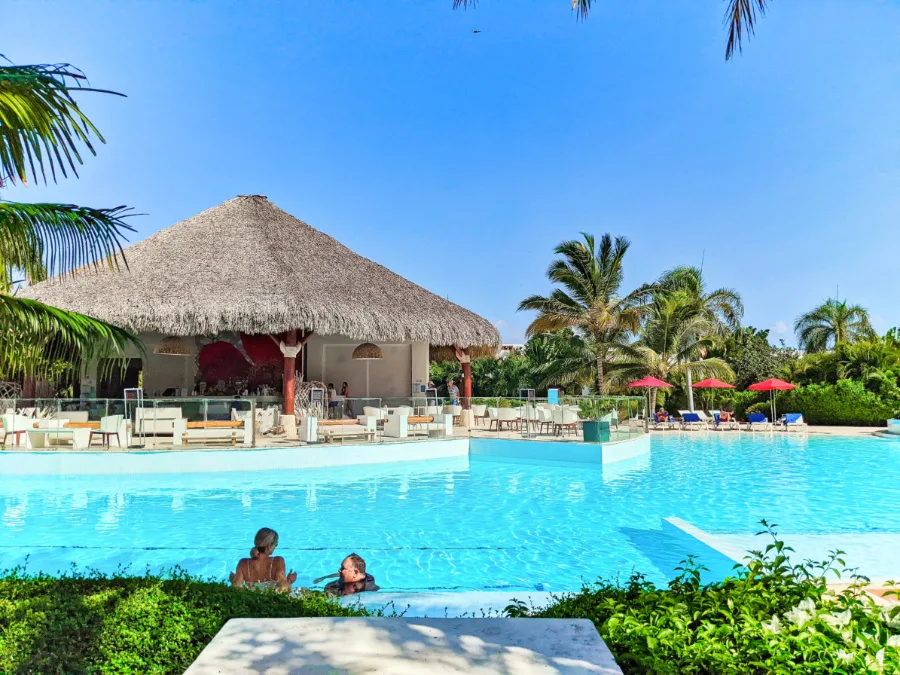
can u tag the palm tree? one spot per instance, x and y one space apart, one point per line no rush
740 16
589 300
675 334
722 308
42 129
832 322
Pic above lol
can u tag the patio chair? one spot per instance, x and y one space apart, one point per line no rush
479 410
706 419
15 425
691 420
544 419
758 422
793 422
507 416
565 419
109 426
492 416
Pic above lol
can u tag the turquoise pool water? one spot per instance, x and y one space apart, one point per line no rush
457 524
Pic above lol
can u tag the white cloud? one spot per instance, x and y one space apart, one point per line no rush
781 327
501 325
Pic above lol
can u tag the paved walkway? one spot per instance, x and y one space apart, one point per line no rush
406 646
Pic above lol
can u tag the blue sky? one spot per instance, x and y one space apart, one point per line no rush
459 160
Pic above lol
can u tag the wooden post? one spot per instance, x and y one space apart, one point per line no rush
465 362
290 367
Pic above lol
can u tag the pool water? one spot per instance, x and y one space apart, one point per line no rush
456 524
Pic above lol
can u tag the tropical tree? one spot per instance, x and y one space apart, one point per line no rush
722 308
740 18
674 338
832 322
588 300
43 130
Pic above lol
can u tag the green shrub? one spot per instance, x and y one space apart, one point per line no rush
847 402
772 617
126 624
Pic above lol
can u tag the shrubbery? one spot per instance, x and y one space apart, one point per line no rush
126 624
846 403
773 617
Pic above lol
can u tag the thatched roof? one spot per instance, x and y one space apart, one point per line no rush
248 266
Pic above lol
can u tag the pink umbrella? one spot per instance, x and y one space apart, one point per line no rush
772 385
648 383
713 383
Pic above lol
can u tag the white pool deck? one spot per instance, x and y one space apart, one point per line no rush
404 646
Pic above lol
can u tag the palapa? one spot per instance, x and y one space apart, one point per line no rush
248 266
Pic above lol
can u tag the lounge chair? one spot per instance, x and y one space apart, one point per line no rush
793 422
729 424
758 422
691 420
669 423
706 419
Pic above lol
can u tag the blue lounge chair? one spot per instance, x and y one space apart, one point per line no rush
793 421
664 424
691 420
758 422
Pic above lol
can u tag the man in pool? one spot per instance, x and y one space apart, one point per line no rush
353 578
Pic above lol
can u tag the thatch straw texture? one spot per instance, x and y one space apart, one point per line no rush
265 271
440 353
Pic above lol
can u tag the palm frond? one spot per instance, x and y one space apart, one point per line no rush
581 7
52 333
41 125
740 17
61 236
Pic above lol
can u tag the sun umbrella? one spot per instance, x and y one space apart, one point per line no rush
648 383
713 383
772 385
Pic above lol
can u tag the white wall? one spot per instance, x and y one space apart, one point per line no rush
329 360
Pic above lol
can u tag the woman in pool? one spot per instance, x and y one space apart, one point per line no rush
262 569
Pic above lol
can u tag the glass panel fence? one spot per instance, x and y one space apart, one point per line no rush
180 423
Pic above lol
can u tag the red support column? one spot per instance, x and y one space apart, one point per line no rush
467 384
290 367
465 362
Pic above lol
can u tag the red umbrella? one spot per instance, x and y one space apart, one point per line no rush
648 383
772 385
713 383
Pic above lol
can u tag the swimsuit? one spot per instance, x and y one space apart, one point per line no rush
271 583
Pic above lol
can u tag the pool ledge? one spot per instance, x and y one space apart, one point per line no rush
52 463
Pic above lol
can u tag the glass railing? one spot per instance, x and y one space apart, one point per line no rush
179 423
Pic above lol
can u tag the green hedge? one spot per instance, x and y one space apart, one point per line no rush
126 624
770 618
846 403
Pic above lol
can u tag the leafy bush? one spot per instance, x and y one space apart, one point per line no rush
847 402
126 624
772 617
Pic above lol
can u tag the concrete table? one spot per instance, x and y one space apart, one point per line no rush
413 646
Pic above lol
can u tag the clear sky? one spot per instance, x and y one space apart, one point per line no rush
460 159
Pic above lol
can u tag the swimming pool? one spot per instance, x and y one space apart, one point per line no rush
462 523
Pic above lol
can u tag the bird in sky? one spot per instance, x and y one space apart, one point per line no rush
476 31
